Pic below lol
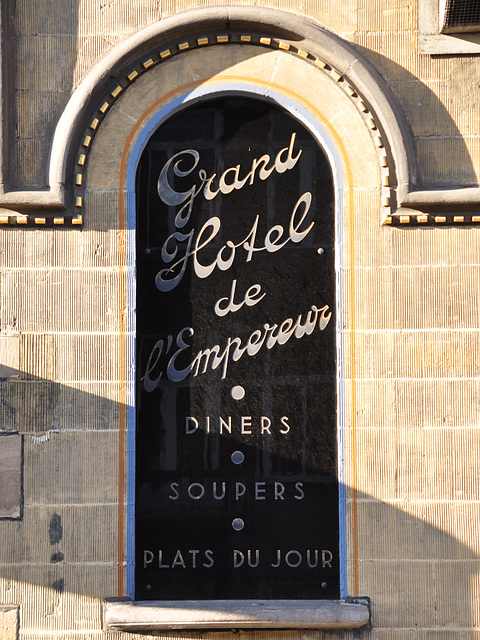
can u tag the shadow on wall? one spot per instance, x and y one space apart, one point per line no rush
443 158
41 54
417 575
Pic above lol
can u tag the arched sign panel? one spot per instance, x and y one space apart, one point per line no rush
236 401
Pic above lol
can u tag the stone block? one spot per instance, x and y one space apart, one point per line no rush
48 17
441 403
373 297
38 112
444 162
372 243
37 358
10 476
430 246
9 622
20 250
376 473
30 404
30 163
86 357
461 610
402 592
61 535
59 599
81 405
343 18
102 215
9 356
71 467
375 403
417 530
46 62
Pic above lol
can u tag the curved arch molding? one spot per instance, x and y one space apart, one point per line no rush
401 200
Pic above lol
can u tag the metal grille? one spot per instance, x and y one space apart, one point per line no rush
460 15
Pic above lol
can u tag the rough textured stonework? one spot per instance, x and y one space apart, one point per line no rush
410 315
10 476
9 622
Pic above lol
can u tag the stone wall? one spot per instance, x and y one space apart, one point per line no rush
411 306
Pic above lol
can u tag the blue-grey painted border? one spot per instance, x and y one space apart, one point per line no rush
320 133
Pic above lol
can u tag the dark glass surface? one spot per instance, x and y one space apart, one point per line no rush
188 489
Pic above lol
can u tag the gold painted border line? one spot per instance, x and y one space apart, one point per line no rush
122 250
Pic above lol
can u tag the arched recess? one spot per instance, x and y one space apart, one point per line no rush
158 82
244 122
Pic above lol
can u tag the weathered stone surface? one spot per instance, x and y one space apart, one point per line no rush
29 405
9 622
9 356
408 322
10 475
243 614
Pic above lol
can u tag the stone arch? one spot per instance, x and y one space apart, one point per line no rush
163 43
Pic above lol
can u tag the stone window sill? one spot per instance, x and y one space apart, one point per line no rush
236 614
454 44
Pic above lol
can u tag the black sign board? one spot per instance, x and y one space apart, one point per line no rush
236 463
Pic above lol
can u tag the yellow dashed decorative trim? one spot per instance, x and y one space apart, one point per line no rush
266 41
39 221
342 82
423 219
